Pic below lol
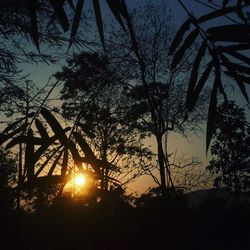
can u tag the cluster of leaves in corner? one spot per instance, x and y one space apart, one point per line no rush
223 44
117 7
35 148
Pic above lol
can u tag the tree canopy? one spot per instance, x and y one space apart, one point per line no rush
230 149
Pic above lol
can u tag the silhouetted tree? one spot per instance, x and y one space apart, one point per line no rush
8 174
230 149
95 100
157 94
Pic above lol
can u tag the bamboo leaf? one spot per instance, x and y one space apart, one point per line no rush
75 154
45 181
15 141
98 17
217 13
194 74
186 25
199 87
55 125
46 145
41 129
32 12
6 137
235 75
60 14
239 56
204 78
115 7
124 12
84 146
243 78
240 68
45 163
187 43
230 33
53 166
65 162
236 47
12 125
179 35
24 139
29 156
76 20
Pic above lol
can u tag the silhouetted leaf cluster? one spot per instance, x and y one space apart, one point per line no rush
230 149
224 44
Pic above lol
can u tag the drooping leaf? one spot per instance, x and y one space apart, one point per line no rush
98 17
42 130
243 78
24 139
217 13
115 7
84 146
239 56
53 166
45 181
239 29
76 20
55 125
231 33
29 156
235 75
65 162
191 103
235 47
45 163
32 11
186 45
12 125
60 14
47 143
240 68
6 137
186 25
75 154
194 74
179 35
124 12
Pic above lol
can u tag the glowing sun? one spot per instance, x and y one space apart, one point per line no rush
80 180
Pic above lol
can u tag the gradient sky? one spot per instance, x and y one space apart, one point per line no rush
195 145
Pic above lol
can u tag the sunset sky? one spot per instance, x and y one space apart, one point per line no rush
192 147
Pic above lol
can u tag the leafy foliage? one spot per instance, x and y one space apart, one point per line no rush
230 149
95 100
224 44
50 152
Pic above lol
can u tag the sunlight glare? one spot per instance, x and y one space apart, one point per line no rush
80 180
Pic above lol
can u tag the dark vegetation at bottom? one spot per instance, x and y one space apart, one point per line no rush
156 223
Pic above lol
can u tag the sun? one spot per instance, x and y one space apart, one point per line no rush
80 180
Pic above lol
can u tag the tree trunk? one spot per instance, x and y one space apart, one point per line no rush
161 161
